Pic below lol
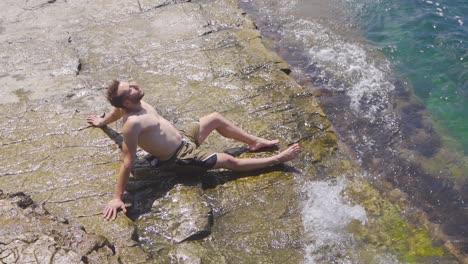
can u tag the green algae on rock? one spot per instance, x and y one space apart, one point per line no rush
394 226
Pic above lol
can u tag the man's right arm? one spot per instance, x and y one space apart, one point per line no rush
130 134
111 117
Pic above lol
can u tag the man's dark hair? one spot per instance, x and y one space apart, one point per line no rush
112 96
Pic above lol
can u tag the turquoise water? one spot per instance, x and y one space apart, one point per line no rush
428 43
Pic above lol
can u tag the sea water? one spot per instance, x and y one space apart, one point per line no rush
392 76
427 42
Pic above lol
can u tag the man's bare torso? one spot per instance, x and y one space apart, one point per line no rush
157 136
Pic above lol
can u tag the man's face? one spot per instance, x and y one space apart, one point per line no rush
131 91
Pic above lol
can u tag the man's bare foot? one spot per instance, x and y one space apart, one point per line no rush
288 154
263 143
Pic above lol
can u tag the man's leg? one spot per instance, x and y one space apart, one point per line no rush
215 121
228 162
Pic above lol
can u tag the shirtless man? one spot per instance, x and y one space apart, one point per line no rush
143 127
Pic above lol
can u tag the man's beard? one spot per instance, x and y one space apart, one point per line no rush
137 99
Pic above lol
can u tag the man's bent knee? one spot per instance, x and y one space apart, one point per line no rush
212 119
215 116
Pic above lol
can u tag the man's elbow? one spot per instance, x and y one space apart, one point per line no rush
127 165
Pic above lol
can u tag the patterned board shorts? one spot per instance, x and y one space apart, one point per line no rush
188 153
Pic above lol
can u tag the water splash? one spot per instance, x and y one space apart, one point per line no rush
363 81
326 213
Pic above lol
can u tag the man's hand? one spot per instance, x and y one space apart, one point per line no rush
110 212
95 120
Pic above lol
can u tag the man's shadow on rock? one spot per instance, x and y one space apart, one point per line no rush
151 181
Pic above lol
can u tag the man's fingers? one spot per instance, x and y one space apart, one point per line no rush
109 213
106 213
112 208
91 118
94 120
114 213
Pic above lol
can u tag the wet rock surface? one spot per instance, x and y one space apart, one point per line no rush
192 58
181 215
29 234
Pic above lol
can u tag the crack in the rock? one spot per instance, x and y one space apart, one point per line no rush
36 168
78 67
271 109
76 199
139 6
39 6
83 216
23 113
62 133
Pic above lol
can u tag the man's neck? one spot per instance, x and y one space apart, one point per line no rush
134 109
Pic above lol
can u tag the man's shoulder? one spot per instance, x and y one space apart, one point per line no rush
147 106
131 122
141 120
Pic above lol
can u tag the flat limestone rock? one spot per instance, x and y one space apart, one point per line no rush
30 235
192 58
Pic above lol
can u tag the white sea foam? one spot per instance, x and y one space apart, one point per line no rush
345 66
342 64
350 68
326 214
